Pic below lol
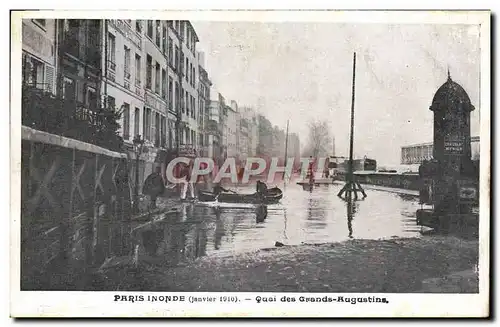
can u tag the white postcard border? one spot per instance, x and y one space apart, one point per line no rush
101 304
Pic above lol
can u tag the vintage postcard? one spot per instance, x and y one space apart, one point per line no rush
250 164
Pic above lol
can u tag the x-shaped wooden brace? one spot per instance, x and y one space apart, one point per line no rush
115 172
43 188
98 179
76 180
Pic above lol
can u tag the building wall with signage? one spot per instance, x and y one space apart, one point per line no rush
39 53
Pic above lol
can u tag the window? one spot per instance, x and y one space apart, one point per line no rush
150 29
72 33
144 123
177 26
170 93
91 98
33 70
111 51
181 98
177 97
157 78
163 84
137 70
164 40
149 71
157 129
147 124
69 89
158 33
111 102
187 70
177 58
193 106
182 29
181 69
127 62
126 121
137 119
187 103
193 137
163 132
170 52
138 26
93 44
192 74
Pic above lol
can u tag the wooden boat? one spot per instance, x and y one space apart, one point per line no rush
272 195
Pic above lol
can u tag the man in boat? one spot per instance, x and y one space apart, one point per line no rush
154 186
261 188
219 189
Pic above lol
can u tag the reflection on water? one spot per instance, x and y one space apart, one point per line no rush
315 216
351 210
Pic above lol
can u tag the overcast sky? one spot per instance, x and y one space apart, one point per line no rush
303 71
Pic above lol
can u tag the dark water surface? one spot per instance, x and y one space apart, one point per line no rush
211 229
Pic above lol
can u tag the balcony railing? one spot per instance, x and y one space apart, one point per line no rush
66 117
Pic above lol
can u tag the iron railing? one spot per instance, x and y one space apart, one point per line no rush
43 111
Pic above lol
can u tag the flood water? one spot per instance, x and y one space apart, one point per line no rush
319 216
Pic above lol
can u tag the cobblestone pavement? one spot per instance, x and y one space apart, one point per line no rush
386 266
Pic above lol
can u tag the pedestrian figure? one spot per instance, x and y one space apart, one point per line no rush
205 179
241 172
310 172
187 182
154 186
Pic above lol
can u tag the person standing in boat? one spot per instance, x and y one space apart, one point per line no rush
218 189
261 188
186 173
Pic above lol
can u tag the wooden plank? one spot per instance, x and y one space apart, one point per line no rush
33 135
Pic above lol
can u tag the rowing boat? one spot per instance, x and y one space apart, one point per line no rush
273 195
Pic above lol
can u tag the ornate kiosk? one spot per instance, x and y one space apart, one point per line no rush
450 182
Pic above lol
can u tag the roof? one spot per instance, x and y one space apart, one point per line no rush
451 94
194 31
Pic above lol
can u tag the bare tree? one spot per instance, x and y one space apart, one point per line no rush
319 143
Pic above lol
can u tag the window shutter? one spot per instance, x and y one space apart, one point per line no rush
49 78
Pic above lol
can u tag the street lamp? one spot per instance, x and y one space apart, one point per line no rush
138 147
